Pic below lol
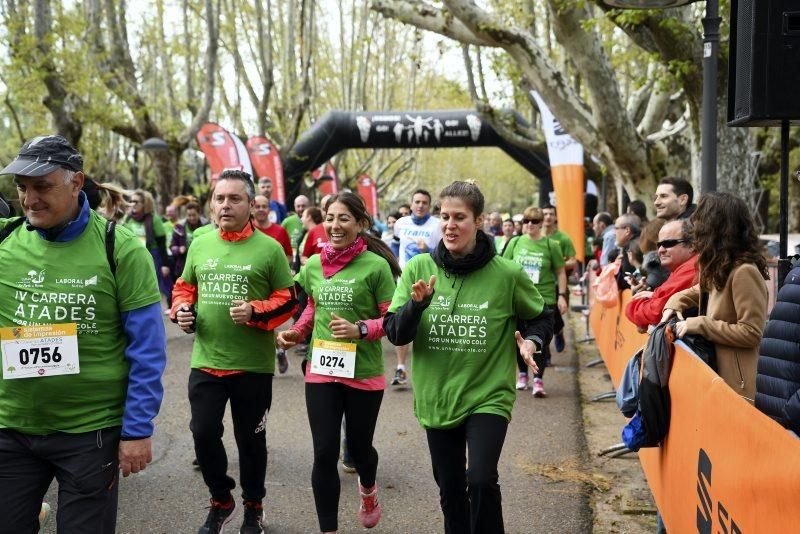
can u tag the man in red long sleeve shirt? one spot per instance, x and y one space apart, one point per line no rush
676 254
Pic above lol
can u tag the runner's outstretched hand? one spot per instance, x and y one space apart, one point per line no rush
287 339
342 328
527 348
420 290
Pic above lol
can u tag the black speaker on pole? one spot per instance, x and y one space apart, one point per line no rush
764 67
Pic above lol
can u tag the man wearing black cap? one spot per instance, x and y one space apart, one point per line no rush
83 348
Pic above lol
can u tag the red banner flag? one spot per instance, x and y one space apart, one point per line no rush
266 161
327 187
369 192
223 150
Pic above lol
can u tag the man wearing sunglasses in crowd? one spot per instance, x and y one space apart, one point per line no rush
676 254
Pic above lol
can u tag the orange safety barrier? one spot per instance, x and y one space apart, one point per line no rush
724 467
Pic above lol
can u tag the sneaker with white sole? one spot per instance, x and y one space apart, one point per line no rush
400 378
538 388
219 514
370 511
253 522
522 381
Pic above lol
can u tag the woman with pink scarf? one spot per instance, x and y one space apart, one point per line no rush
350 286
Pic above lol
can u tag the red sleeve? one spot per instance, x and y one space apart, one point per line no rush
283 239
277 309
644 312
305 323
311 244
182 293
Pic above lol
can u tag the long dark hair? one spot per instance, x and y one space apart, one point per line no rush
355 205
724 236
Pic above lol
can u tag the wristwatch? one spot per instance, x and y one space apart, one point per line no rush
564 294
362 329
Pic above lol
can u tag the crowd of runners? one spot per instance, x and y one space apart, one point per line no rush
90 270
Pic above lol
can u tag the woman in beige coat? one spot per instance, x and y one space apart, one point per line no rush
731 271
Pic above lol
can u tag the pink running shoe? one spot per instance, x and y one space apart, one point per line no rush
370 512
538 388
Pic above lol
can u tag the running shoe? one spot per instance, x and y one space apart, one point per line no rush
219 514
44 516
347 463
370 512
561 343
400 378
283 362
253 518
538 388
522 381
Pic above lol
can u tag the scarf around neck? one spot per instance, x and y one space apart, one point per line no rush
484 252
334 260
419 221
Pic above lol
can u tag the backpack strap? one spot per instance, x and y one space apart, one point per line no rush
10 227
111 237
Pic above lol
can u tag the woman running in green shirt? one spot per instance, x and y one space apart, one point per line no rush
543 261
349 286
464 333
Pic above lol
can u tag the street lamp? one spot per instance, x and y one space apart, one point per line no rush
708 126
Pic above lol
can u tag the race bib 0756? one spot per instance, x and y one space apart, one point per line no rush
37 351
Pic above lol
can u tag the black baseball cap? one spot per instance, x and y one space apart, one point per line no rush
44 154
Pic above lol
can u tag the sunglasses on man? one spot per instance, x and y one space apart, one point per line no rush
531 221
669 243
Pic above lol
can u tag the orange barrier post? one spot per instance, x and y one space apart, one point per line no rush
724 467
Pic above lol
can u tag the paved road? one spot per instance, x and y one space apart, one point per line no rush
545 436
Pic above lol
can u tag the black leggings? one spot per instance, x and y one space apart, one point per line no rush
250 395
470 497
543 357
326 404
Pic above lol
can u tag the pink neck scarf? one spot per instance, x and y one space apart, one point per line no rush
334 260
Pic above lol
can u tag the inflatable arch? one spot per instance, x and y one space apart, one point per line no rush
340 130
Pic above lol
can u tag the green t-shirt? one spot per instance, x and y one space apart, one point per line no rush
294 227
224 271
565 242
138 229
540 259
464 351
46 282
169 226
353 294
191 236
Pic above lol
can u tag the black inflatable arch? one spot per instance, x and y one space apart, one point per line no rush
340 130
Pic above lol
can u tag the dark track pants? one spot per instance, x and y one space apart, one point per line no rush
470 497
250 395
85 466
326 404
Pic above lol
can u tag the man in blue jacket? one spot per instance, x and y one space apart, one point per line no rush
778 378
83 348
